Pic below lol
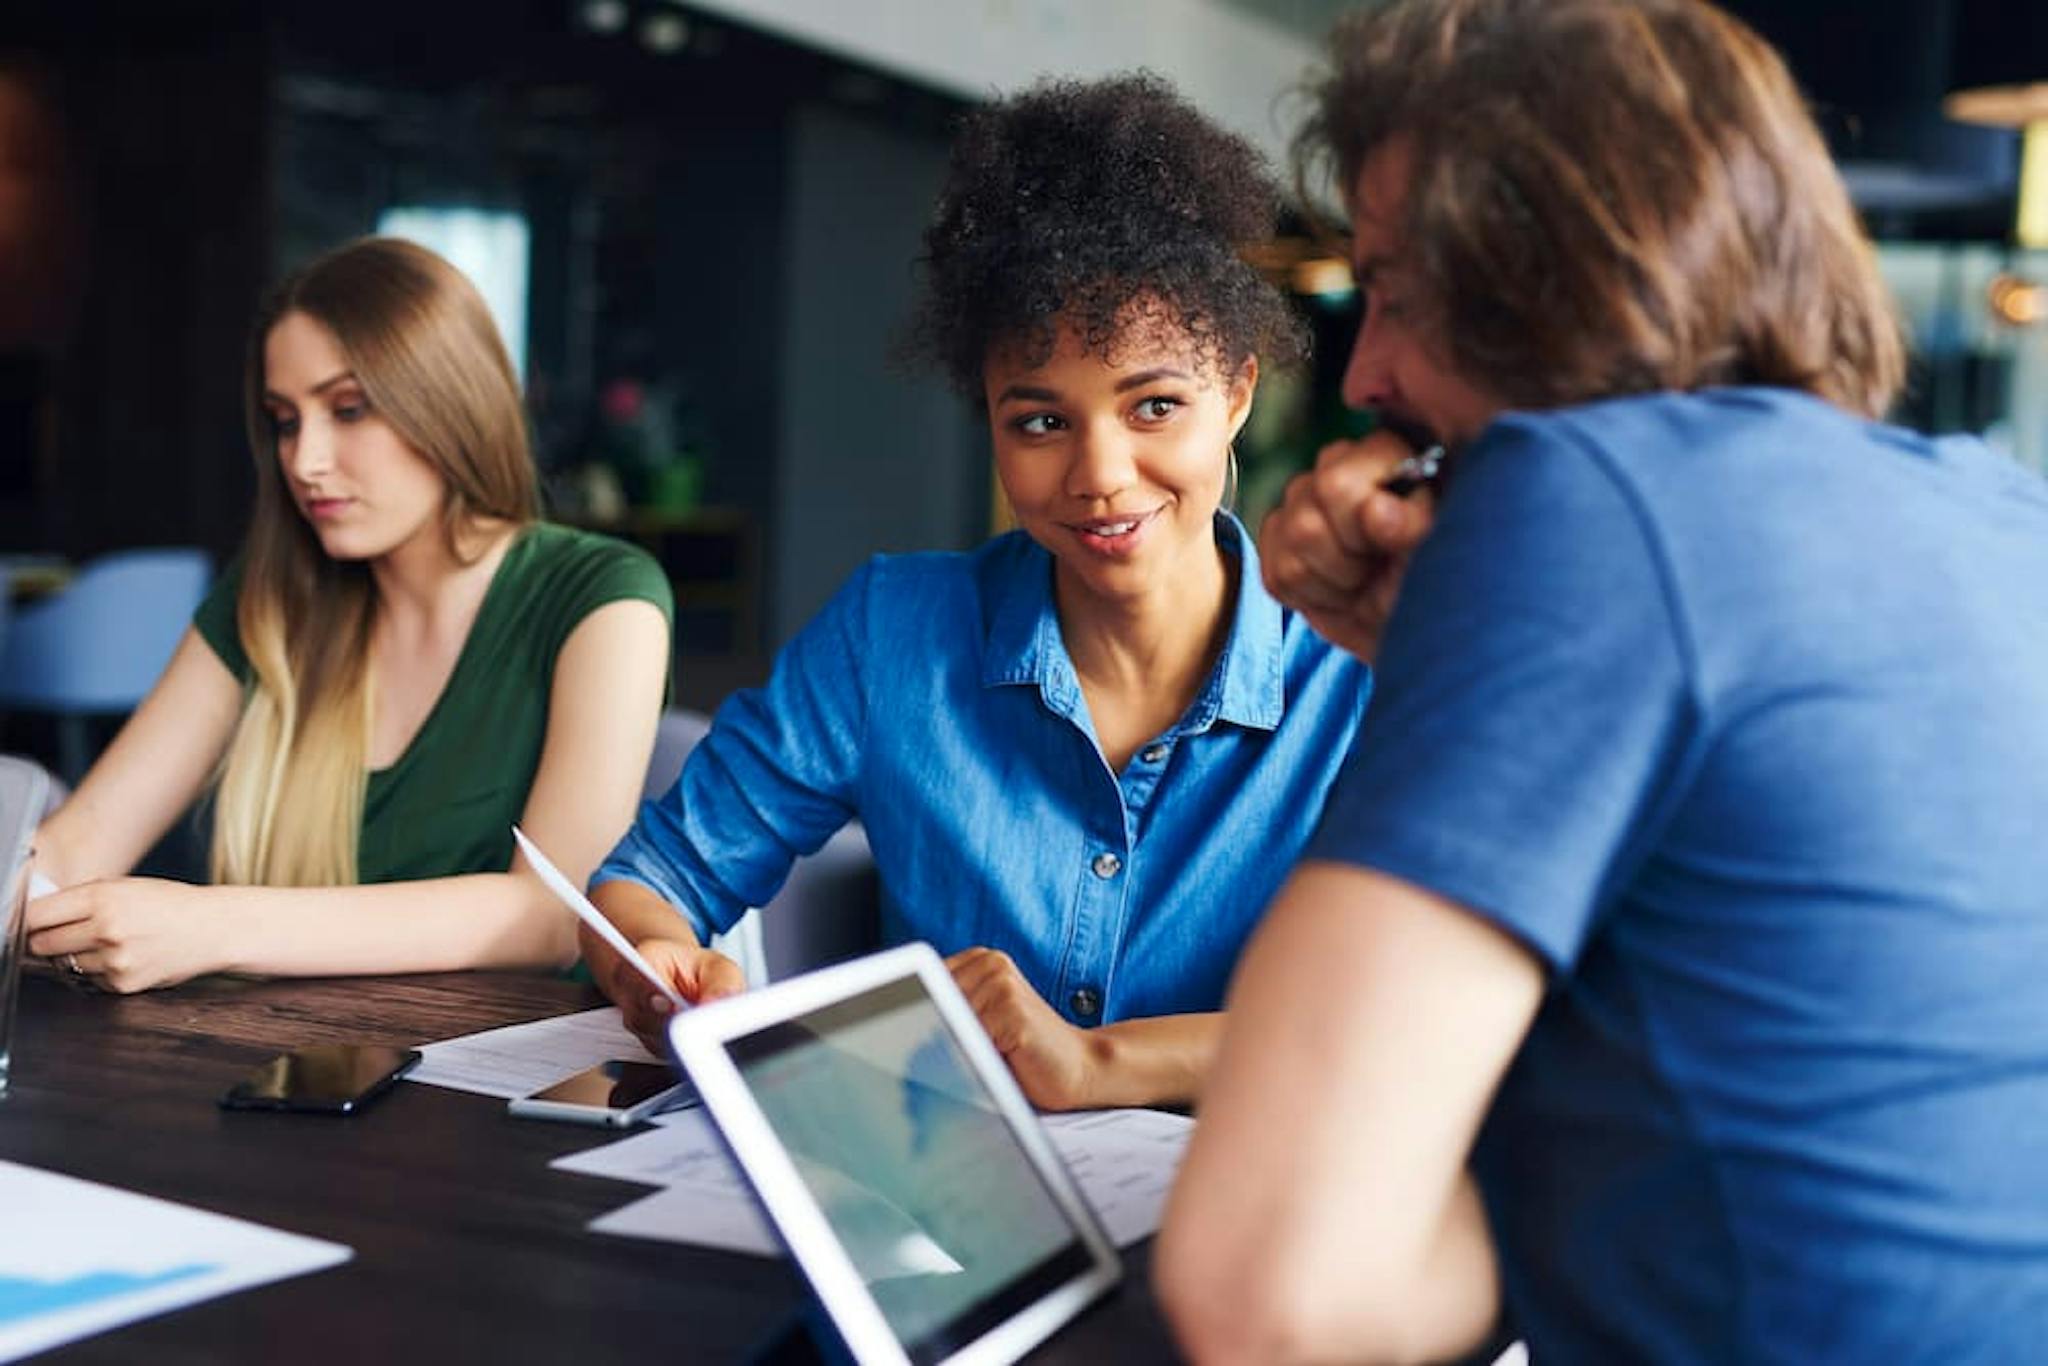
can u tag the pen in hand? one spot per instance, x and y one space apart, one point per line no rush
1415 471
565 891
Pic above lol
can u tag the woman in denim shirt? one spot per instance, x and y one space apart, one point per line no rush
1087 753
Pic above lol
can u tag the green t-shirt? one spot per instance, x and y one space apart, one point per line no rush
447 805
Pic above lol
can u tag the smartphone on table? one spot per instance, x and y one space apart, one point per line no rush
615 1094
329 1079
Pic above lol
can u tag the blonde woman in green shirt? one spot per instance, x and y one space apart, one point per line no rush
403 662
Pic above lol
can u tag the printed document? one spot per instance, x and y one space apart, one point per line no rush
520 1059
79 1258
1123 1160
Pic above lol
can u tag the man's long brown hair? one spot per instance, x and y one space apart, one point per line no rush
1609 197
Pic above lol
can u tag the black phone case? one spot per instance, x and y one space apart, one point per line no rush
238 1098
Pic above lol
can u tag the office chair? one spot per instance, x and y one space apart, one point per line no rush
96 646
828 910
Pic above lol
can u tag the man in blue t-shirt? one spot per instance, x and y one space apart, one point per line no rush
1666 966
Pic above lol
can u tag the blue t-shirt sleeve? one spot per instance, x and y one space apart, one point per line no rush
773 779
1532 699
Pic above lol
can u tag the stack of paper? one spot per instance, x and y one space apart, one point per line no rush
1123 1160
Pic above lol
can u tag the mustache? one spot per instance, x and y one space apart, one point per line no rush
1415 433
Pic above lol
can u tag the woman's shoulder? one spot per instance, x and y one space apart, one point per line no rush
551 545
923 580
582 569
552 577
923 604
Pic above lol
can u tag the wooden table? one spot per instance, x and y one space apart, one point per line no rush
467 1246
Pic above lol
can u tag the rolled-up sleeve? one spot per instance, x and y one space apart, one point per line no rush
777 774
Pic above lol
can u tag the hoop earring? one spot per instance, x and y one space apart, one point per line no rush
1230 479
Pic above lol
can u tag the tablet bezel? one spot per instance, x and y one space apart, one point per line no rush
701 1040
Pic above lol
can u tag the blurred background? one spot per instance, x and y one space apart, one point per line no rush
696 224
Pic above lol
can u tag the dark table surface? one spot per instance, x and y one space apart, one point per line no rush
466 1245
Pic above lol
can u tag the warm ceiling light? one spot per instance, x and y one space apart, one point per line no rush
1321 275
1299 264
2017 302
2001 106
1998 63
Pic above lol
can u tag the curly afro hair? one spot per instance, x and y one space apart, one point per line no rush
1102 206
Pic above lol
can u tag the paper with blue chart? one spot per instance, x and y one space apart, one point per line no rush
78 1258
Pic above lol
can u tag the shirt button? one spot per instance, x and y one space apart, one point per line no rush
1107 865
1086 1002
1153 753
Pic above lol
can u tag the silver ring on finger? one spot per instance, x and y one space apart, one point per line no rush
70 961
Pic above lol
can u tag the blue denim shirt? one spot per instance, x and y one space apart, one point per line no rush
933 700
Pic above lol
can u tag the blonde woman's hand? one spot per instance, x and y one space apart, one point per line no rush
131 933
1052 1060
1337 546
697 974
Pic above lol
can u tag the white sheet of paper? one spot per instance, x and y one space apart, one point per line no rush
731 1222
1123 1160
518 1060
703 1199
79 1258
683 1148
567 893
39 884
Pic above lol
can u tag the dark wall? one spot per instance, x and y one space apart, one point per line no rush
142 440
720 293
873 458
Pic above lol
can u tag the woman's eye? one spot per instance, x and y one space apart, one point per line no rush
284 426
1157 408
351 410
1037 424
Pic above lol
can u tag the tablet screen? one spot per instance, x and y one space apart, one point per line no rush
947 1222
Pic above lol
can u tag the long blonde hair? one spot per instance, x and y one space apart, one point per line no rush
288 807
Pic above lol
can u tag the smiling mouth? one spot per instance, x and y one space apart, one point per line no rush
1114 536
1111 527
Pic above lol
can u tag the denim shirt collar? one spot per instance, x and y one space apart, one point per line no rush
1246 687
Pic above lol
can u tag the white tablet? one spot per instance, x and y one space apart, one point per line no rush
898 1160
